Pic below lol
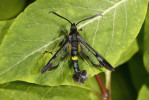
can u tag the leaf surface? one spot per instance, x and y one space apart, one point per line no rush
35 31
146 44
144 91
4 27
126 55
137 70
11 8
28 91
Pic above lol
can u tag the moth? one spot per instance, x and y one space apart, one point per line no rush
74 44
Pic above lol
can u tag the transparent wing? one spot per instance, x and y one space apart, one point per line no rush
62 53
95 58
85 52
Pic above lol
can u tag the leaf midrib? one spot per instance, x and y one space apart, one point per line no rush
26 56
104 13
86 23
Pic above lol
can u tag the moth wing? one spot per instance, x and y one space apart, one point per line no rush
95 58
57 57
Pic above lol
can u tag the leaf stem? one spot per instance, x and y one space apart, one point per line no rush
108 80
105 92
97 94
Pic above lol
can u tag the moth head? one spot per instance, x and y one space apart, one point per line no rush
73 27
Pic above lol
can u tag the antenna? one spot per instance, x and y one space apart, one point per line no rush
88 18
60 16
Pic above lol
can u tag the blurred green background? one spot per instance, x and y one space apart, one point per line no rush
11 8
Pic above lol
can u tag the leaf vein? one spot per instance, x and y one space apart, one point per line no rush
112 32
125 24
26 56
95 33
104 13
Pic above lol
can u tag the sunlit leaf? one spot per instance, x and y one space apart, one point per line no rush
126 55
35 30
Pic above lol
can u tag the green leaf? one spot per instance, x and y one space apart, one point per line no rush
28 91
35 31
11 8
126 55
4 26
144 91
137 70
122 87
146 39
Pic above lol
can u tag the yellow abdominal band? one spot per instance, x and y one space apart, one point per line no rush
74 58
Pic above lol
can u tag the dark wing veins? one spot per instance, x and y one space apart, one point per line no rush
95 58
57 57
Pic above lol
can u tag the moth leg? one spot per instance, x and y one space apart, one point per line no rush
45 52
51 52
56 57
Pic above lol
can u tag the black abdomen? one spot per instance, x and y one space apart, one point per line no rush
74 54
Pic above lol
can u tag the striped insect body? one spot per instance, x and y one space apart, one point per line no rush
72 44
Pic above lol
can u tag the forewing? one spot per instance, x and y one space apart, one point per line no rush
95 58
57 57
85 52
